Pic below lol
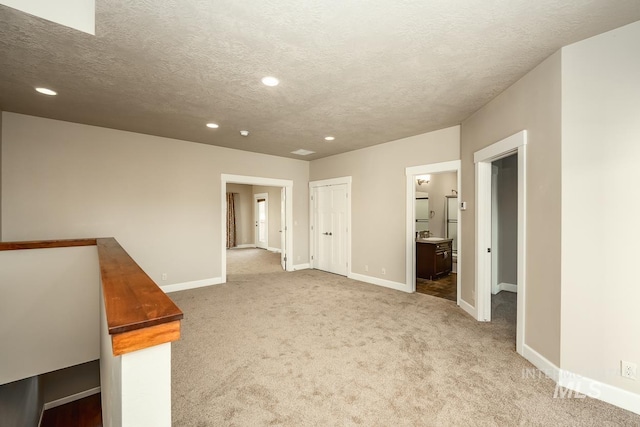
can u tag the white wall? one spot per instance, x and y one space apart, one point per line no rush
77 14
379 196
159 197
48 310
600 233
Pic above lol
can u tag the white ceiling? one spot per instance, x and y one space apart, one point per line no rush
365 71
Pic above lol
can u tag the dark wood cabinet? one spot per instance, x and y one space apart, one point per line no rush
433 259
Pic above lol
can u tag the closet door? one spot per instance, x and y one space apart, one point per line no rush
330 228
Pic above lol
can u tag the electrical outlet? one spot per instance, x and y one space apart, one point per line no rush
164 276
628 370
366 268
384 271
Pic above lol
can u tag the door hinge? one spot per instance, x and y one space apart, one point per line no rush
312 198
488 250
312 228
285 258
311 257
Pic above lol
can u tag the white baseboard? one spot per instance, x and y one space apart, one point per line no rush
301 267
582 385
73 397
509 287
468 308
598 390
274 249
191 285
248 245
542 363
380 282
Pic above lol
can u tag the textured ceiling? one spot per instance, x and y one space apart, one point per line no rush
365 71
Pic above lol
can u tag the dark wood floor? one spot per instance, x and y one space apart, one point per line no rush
85 412
444 287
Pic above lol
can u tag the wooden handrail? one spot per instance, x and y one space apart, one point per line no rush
46 244
139 314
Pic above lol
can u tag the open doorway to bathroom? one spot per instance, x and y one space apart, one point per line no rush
436 234
433 226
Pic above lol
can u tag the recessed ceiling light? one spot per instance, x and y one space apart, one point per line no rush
213 125
329 138
302 152
270 81
45 91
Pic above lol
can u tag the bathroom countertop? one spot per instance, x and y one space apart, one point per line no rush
433 240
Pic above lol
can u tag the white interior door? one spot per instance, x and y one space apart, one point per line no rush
283 228
330 228
261 202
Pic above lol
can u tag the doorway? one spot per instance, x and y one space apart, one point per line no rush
286 231
261 215
488 259
436 234
330 208
438 248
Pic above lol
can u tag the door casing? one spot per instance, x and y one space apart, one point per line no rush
514 144
410 266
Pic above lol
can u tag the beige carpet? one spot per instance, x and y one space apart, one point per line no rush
315 349
251 261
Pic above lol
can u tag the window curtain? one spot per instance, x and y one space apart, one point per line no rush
231 221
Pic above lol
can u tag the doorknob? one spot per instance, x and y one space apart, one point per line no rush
328 234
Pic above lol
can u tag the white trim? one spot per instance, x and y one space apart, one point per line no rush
598 390
468 308
516 143
379 282
71 398
323 183
508 287
191 285
254 180
330 181
539 361
501 149
244 246
301 267
276 250
495 221
410 245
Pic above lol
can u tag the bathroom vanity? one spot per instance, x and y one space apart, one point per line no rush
433 257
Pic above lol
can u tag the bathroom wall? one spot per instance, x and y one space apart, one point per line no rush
439 186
